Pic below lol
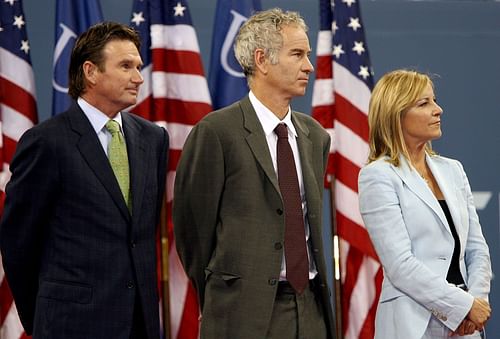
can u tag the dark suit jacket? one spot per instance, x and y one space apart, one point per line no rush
73 255
228 220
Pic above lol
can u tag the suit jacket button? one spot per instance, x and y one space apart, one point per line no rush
279 211
130 285
278 246
132 244
272 281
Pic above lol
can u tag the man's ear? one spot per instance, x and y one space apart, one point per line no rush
261 61
90 72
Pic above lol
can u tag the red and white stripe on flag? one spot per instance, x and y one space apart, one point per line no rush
174 95
340 103
17 114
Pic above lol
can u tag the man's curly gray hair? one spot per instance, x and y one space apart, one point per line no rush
263 30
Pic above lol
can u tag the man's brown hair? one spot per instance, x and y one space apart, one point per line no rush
89 47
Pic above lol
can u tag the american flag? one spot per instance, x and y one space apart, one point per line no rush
17 114
174 95
340 102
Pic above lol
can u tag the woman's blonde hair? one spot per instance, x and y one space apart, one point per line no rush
392 96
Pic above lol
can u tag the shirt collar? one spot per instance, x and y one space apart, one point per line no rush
97 118
268 119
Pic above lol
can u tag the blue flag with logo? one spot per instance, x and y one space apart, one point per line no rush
73 17
226 80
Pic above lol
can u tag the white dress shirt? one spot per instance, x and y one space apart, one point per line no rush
98 121
269 121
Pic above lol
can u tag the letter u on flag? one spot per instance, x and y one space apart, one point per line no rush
226 80
73 17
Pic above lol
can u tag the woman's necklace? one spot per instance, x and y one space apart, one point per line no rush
426 178
427 181
423 169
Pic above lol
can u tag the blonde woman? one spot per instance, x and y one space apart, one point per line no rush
418 209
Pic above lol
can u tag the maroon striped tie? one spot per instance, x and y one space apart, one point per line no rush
297 267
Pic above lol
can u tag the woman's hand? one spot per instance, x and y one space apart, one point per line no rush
466 327
479 313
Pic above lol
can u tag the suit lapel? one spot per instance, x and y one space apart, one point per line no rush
137 158
257 141
306 151
418 186
91 150
305 147
442 173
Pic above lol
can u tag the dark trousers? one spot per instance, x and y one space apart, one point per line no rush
297 316
138 330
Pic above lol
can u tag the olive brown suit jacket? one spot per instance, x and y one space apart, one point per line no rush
229 222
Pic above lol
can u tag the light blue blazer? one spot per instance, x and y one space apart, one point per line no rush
413 240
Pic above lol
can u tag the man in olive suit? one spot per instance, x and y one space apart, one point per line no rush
233 213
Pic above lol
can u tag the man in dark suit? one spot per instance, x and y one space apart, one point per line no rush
77 238
236 208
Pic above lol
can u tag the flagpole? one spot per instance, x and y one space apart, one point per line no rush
336 263
164 278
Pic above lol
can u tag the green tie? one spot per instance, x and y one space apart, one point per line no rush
117 154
